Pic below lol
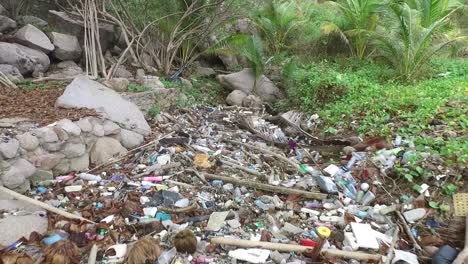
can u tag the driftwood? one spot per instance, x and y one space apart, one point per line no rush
42 205
391 250
93 254
192 207
408 231
235 166
267 187
328 253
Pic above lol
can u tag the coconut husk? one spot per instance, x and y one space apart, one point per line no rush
62 252
145 250
185 242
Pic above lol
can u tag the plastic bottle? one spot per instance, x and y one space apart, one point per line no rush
368 198
376 217
89 177
167 256
355 211
262 205
156 178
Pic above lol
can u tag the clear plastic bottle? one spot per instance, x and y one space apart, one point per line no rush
167 256
89 177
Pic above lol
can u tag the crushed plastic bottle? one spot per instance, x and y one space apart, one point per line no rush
89 177
167 256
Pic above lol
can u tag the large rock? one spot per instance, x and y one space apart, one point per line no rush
46 161
69 127
110 128
35 21
6 24
83 92
65 70
236 97
201 71
41 175
71 150
79 163
106 148
46 134
67 47
117 84
27 60
63 23
34 38
84 125
9 148
2 10
27 141
17 174
252 101
122 72
11 72
130 139
244 81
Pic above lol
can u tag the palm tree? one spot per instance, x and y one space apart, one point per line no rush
405 43
433 10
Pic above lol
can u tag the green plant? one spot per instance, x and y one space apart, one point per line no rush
432 10
154 110
133 87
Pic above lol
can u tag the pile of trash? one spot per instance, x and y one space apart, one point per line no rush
220 185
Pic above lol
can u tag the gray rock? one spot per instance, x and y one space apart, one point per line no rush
65 70
84 125
61 134
140 74
11 72
117 84
203 72
17 174
2 10
66 46
69 127
46 135
34 38
16 227
80 163
27 141
186 83
236 97
53 146
83 92
35 21
27 60
71 150
98 130
151 81
23 188
46 161
122 72
130 139
106 148
252 101
63 167
244 81
41 175
10 148
110 128
6 24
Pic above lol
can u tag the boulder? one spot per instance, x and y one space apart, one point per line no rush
53 146
98 130
27 141
2 10
69 127
130 139
41 175
122 72
150 81
27 60
236 97
252 101
46 161
34 38
79 163
71 150
65 70
62 167
106 148
11 72
244 81
61 134
83 92
66 46
17 174
6 24
110 128
9 148
46 135
117 84
201 71
63 23
84 125
35 21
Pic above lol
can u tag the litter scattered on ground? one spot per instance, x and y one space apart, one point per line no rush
219 184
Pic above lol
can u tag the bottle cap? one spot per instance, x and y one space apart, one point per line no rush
323 231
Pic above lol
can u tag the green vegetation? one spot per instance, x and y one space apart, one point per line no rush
133 87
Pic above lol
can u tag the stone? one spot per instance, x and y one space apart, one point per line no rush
27 141
117 84
69 127
35 21
98 130
63 167
61 134
32 37
84 125
17 174
46 161
83 92
9 148
16 227
203 72
27 60
46 135
252 101
80 163
11 72
186 83
6 24
65 70
130 139
71 150
2 10
41 175
64 23
110 128
236 97
66 46
122 72
53 146
106 148
151 81
244 81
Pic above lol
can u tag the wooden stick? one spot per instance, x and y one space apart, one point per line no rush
294 248
93 254
192 207
42 205
267 187
392 247
233 165
280 157
408 231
